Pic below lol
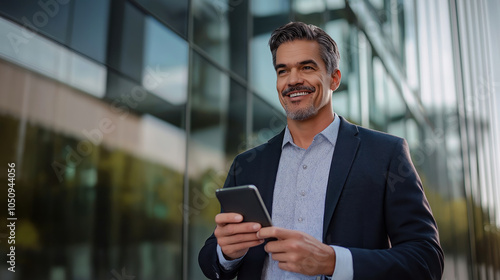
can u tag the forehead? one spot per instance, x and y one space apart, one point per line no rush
296 51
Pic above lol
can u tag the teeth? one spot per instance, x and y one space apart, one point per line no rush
298 94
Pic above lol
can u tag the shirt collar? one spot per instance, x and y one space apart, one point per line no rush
330 133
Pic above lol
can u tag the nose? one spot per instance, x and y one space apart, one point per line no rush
294 78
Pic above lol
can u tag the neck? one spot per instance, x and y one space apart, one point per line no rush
303 132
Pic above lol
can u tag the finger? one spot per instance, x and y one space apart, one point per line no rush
228 218
276 232
235 229
277 246
236 239
281 257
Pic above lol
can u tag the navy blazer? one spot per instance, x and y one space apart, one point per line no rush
375 206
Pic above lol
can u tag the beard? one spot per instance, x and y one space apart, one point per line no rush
301 114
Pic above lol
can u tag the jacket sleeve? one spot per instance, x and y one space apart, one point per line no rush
415 251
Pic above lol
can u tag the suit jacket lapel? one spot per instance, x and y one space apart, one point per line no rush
343 158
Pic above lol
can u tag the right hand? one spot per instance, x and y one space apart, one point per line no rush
235 237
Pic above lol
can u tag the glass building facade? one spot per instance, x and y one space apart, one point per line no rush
123 116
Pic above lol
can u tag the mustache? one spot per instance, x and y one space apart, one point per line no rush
297 88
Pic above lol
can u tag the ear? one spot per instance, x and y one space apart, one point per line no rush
336 77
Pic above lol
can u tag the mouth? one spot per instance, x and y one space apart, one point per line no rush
298 91
295 94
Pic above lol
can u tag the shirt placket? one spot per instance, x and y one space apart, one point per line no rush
301 195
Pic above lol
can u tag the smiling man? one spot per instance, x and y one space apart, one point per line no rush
346 202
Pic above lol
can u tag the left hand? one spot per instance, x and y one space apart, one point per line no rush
298 252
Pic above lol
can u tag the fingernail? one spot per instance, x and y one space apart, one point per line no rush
256 227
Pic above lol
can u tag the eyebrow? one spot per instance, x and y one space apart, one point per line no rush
305 62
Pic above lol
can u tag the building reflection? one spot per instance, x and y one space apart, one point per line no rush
123 116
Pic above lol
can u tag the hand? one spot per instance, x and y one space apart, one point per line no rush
299 252
235 237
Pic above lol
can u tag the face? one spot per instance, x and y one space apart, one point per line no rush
304 86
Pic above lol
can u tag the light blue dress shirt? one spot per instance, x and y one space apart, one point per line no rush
299 200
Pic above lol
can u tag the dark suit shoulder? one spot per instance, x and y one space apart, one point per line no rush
262 151
376 135
370 138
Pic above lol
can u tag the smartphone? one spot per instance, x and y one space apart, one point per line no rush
244 200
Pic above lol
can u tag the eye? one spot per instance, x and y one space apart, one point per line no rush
307 67
281 71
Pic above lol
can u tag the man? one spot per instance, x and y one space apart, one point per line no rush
346 202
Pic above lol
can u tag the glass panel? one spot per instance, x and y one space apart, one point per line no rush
218 113
220 31
120 176
49 58
172 12
412 134
267 122
89 34
130 49
339 31
127 97
397 128
377 99
335 4
340 101
48 17
396 109
261 8
263 76
378 4
165 63
309 11
353 76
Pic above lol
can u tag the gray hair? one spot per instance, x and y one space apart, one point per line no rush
301 31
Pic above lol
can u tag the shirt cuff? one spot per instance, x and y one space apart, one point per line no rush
227 264
343 266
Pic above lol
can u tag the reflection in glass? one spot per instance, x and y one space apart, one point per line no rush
340 101
308 6
127 46
335 4
173 12
261 8
220 31
90 33
378 101
165 71
218 133
107 211
262 75
267 121
48 58
50 18
339 30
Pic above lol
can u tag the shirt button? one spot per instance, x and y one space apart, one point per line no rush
300 219
303 193
304 166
